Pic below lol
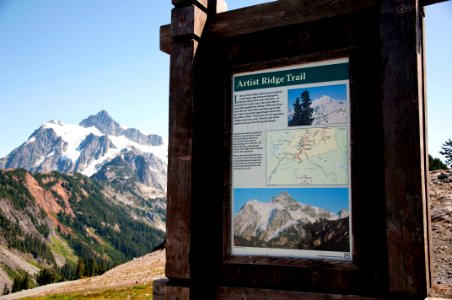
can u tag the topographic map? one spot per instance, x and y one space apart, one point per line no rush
307 156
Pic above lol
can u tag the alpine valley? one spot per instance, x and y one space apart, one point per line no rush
76 200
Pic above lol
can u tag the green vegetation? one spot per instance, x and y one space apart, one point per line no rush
93 236
6 290
25 242
126 238
61 247
11 273
12 187
22 282
435 163
302 111
46 276
134 292
447 151
68 272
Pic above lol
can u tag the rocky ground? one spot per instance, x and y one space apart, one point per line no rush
441 214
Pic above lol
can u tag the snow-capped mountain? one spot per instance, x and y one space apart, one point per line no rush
287 223
108 126
343 213
266 220
91 145
328 110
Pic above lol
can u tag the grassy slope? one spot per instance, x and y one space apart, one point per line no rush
131 280
134 292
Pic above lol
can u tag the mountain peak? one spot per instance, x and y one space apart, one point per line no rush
56 122
284 199
104 122
88 147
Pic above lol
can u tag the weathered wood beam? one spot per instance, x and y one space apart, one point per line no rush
429 2
282 13
166 42
403 132
187 22
188 19
243 21
176 293
274 15
186 27
237 293
183 3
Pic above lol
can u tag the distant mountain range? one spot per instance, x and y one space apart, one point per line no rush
97 147
79 199
286 223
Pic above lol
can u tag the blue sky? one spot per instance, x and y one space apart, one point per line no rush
438 49
69 59
332 199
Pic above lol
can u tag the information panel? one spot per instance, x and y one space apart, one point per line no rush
291 189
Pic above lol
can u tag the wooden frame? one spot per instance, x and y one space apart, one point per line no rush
390 214
303 267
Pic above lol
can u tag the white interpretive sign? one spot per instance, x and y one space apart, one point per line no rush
291 187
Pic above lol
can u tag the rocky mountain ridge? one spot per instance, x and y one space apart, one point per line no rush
86 148
56 221
284 222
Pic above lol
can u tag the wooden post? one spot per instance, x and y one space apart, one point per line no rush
187 25
187 22
158 289
404 148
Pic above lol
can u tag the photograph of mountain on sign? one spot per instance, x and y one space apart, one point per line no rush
304 219
321 105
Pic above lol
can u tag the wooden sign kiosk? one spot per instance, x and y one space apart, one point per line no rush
233 111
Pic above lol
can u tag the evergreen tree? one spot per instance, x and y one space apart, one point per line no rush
80 271
45 276
68 271
302 111
6 290
21 282
26 283
17 283
435 163
296 118
447 151
306 109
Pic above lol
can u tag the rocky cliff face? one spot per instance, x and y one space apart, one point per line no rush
108 126
286 223
55 221
86 148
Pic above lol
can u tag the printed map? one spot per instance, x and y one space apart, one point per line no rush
307 156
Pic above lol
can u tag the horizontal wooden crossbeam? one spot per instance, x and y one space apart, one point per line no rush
276 14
